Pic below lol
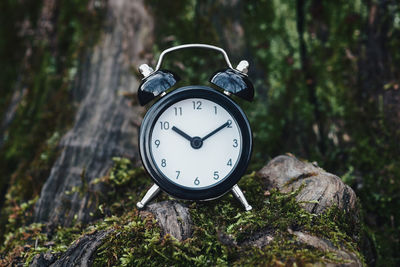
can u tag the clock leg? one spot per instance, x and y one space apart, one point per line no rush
153 191
240 196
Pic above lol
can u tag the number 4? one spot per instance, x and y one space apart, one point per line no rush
229 162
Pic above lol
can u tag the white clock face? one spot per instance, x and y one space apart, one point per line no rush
196 143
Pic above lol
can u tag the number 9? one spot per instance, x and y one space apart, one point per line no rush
157 142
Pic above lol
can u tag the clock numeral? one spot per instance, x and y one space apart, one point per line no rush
163 163
197 181
235 143
157 143
216 175
215 110
229 162
177 174
178 111
164 125
230 124
196 104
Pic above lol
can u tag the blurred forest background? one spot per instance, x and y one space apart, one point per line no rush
326 74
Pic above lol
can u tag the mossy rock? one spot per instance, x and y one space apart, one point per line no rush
278 231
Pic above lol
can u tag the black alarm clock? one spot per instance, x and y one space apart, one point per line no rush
195 142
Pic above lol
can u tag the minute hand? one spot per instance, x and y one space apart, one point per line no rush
216 130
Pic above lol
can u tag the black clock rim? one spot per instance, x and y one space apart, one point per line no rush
205 92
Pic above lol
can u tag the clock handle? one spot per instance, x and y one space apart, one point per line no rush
152 192
212 47
237 192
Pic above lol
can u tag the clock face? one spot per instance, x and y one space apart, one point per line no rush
195 143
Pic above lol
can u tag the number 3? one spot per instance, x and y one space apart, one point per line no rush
235 143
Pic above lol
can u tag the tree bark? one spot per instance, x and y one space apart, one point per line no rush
80 253
106 122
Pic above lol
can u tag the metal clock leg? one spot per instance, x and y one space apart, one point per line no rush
153 191
240 196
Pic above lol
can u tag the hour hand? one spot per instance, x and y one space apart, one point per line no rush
182 133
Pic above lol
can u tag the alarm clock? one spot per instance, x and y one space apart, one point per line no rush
195 142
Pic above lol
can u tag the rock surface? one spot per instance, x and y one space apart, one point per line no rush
350 258
321 189
173 218
106 123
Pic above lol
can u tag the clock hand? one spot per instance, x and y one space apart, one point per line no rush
216 130
182 133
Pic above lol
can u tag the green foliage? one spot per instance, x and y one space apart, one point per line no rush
121 172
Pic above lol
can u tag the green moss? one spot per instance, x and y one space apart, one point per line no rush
23 244
221 229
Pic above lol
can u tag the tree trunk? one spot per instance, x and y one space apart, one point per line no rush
106 123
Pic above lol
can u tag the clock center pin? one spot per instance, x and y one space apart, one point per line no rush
196 142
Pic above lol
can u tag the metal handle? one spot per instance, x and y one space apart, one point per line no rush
206 46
